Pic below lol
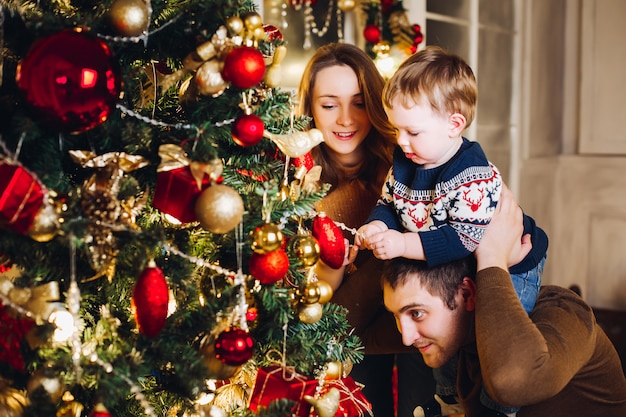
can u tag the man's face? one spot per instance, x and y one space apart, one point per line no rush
427 323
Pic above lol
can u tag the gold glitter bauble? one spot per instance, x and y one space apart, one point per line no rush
310 313
334 370
209 79
252 21
325 291
305 248
45 225
219 208
234 25
266 238
310 294
346 5
129 17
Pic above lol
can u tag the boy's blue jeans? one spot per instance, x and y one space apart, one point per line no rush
527 288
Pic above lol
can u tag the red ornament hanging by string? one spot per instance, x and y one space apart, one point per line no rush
330 239
234 346
247 130
71 80
244 67
371 33
150 301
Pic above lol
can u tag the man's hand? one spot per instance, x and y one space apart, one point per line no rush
503 244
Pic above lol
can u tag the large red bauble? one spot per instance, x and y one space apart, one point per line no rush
150 299
244 67
330 239
234 346
371 33
270 267
71 80
247 130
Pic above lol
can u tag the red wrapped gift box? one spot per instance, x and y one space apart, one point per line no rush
352 402
275 382
176 193
21 198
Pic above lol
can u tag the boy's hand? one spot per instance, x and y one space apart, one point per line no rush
366 231
388 244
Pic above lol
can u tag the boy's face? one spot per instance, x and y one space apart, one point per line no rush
427 323
426 138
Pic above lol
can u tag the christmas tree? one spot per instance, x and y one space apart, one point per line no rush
157 218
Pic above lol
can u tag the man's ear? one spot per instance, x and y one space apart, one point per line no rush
457 124
468 292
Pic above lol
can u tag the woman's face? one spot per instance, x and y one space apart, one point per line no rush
338 109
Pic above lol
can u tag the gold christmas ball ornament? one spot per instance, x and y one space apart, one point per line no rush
310 294
310 313
48 380
209 79
266 238
334 370
129 17
252 20
45 225
219 208
235 25
325 291
305 248
346 5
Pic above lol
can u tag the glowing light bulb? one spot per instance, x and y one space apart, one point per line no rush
65 326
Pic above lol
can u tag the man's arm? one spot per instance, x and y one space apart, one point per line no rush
524 359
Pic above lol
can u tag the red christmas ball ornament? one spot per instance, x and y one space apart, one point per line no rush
270 267
419 38
330 239
247 130
234 346
244 67
70 80
371 33
252 313
386 5
150 300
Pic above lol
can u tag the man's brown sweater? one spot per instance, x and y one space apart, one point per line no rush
555 362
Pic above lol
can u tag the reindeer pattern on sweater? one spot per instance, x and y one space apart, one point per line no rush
450 206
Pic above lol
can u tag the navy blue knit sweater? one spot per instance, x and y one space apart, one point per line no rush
450 206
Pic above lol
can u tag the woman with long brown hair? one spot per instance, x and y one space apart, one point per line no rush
341 90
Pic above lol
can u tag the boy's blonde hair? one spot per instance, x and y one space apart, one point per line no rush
444 79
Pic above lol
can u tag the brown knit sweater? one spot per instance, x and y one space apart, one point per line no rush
554 362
